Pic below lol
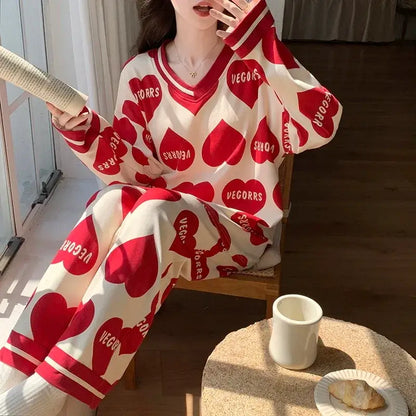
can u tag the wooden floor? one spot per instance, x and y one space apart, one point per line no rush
351 242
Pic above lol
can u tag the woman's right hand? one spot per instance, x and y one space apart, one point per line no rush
65 121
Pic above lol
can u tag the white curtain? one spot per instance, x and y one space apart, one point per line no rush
104 33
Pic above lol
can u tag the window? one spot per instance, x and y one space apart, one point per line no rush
26 146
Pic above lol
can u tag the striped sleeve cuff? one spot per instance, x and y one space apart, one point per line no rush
250 30
77 135
81 140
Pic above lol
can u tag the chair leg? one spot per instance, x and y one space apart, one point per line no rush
130 375
404 30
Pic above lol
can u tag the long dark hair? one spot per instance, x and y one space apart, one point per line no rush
158 23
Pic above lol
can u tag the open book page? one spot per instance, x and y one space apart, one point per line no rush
39 83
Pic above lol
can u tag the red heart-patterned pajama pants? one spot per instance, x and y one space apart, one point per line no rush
97 299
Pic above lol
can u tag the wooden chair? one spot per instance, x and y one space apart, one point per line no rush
254 284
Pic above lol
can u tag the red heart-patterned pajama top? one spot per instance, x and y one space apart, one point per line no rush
193 192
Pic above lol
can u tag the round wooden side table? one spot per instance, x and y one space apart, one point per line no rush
241 379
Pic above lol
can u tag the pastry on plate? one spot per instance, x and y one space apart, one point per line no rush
357 394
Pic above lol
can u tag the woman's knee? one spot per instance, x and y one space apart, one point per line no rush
114 197
155 205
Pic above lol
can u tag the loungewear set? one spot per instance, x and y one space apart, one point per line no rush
193 191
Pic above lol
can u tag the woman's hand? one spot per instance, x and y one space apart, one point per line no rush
237 8
65 121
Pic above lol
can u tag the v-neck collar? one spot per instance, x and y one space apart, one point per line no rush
205 84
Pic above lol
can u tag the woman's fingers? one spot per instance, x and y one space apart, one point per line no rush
65 121
75 121
64 118
243 5
222 34
228 20
238 10
53 110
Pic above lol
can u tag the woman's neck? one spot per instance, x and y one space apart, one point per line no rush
194 44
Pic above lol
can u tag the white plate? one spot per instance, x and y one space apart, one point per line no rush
328 405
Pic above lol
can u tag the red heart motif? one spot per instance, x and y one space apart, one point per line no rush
251 224
224 242
143 179
129 198
195 103
186 225
223 145
111 137
112 335
176 152
303 134
106 341
277 196
203 190
199 267
139 156
79 251
225 271
106 161
264 145
80 321
49 318
148 141
247 196
133 112
276 52
148 93
124 129
135 264
131 338
244 78
320 106
240 259
159 183
159 194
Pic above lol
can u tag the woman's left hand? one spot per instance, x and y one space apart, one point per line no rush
237 8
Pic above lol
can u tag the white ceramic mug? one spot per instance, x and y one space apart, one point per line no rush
294 339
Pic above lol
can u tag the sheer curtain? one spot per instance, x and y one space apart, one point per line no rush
88 41
104 33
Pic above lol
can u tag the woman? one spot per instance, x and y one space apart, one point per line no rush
204 116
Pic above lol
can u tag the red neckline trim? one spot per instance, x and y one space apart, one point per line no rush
206 83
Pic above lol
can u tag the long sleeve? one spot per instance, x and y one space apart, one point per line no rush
311 113
123 151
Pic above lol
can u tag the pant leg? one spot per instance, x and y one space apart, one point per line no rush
64 283
165 235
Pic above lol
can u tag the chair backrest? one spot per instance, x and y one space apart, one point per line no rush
285 178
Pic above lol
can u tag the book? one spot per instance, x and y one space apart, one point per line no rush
39 83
